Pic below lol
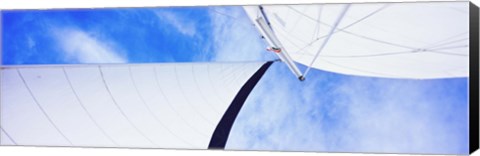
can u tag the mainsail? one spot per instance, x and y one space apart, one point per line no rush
391 40
169 105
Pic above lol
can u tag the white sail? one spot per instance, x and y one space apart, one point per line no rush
393 40
175 105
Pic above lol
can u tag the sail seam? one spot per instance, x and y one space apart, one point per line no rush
121 110
150 110
202 94
85 109
190 103
8 136
172 108
43 110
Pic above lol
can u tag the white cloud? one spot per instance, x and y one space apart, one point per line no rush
182 25
234 39
355 115
30 42
276 120
401 116
78 46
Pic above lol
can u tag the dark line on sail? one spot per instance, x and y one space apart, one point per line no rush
185 97
169 103
202 94
222 131
149 109
122 112
8 136
44 112
90 116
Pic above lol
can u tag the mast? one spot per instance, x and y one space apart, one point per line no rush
263 25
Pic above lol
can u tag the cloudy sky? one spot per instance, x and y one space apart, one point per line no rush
328 112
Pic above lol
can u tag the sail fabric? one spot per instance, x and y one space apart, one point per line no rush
422 40
171 105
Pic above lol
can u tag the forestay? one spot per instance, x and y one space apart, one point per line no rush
390 40
175 105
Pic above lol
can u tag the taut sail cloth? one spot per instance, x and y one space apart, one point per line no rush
171 105
392 40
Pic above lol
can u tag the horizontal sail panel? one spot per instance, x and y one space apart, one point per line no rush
175 105
392 40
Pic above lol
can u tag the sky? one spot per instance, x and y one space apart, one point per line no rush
327 112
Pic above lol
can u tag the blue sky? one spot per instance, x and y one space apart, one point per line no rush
327 112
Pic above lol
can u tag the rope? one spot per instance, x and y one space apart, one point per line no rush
332 30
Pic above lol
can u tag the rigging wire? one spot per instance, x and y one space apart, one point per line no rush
447 43
317 25
354 34
295 24
360 70
449 38
343 28
353 23
437 44
431 48
332 30
450 47
447 53
397 53
414 50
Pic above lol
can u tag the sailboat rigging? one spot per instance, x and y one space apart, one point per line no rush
373 40
194 105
